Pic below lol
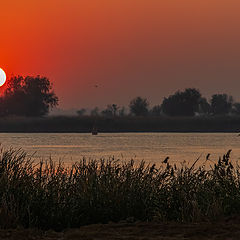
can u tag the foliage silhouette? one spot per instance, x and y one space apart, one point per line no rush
204 106
236 108
81 112
95 111
122 112
28 96
156 111
182 103
51 195
110 111
139 106
221 104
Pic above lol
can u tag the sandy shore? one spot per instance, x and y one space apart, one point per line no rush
227 229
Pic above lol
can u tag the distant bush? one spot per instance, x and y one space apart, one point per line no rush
111 110
121 124
81 112
221 104
139 106
184 103
49 195
156 111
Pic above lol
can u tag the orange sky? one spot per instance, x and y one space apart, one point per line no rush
149 48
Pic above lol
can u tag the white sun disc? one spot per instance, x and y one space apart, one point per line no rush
3 77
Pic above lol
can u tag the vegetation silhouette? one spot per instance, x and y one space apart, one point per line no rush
81 112
95 112
221 104
28 96
156 111
204 107
84 124
182 103
139 106
53 196
187 103
236 108
111 110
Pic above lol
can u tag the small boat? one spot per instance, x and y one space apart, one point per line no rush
94 131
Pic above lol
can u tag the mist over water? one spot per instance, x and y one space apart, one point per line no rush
151 147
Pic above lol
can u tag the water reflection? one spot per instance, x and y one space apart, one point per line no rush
152 147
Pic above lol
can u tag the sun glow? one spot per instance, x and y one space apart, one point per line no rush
2 77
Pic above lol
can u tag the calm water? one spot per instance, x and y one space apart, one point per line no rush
152 147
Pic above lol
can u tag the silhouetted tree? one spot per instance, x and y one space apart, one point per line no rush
139 106
156 110
221 104
182 103
121 112
28 96
114 109
236 108
111 110
81 112
107 112
95 111
204 106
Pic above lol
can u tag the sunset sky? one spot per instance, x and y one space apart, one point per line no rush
128 48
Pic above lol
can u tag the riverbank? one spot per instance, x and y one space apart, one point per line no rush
84 124
221 230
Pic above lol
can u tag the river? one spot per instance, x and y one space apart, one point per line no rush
151 147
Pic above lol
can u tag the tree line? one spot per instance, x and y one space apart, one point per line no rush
34 96
189 102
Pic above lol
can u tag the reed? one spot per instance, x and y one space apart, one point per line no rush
52 195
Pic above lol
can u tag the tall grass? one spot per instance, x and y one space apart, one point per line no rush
49 195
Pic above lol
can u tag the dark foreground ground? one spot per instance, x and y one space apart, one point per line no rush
225 229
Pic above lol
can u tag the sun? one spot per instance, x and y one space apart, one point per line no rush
3 77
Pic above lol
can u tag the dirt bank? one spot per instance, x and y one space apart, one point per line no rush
227 229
